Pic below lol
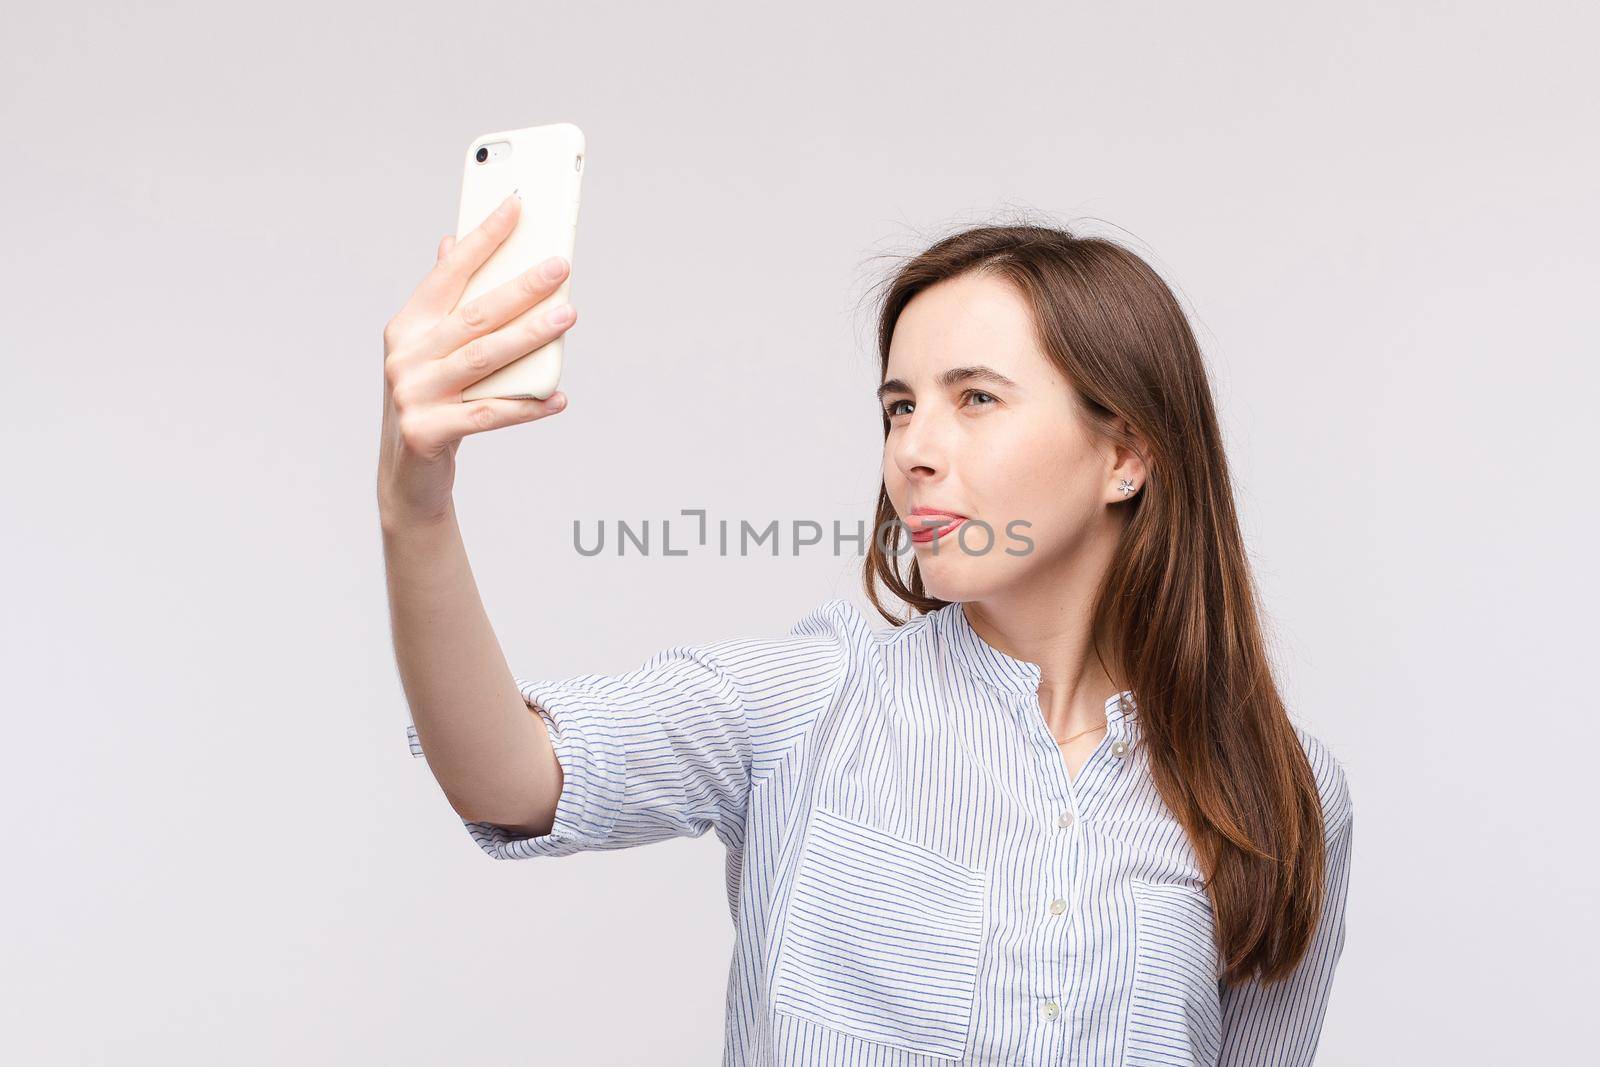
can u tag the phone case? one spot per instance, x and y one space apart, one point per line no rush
545 165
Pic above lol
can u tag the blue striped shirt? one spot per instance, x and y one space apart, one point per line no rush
912 873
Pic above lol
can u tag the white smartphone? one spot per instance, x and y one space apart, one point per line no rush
545 165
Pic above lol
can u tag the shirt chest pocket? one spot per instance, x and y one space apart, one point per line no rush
882 938
1175 1014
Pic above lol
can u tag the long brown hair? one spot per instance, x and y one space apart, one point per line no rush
1177 604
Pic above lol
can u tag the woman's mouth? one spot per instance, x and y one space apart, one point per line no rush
931 526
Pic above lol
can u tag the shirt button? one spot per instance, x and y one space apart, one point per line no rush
1050 1009
1057 906
1064 820
1119 748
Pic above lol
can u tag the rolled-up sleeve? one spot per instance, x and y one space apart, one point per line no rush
1279 1024
669 749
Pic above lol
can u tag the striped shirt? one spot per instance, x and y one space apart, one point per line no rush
912 873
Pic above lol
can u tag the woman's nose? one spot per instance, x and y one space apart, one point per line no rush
919 446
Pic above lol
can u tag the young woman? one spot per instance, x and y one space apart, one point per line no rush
1059 816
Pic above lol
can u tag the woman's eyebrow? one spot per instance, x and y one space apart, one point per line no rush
946 379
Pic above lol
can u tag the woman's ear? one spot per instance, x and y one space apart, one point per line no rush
1127 474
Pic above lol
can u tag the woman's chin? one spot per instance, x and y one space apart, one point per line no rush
960 576
952 577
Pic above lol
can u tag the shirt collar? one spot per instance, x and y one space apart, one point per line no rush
994 668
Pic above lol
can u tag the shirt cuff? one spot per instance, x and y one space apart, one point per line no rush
593 768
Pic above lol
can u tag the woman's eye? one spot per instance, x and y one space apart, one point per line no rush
979 392
891 409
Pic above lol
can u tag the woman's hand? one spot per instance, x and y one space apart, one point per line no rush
431 354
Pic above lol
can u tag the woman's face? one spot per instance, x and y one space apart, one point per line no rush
982 425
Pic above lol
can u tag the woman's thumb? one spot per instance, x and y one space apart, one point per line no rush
446 245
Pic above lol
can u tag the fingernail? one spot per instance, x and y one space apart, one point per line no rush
552 267
505 205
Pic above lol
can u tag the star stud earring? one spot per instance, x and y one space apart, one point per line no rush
1127 486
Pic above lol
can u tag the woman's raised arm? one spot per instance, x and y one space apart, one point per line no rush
493 759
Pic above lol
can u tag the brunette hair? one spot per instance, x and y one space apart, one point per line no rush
1176 604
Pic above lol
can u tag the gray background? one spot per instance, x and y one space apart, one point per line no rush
218 847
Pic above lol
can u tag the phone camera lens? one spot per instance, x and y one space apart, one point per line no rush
483 154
